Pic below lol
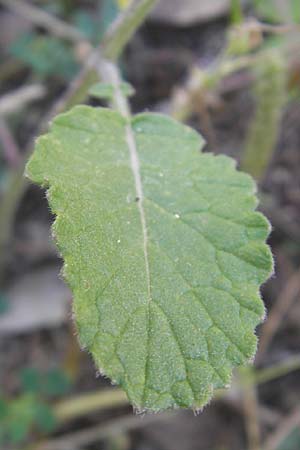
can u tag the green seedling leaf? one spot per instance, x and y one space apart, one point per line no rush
86 23
108 13
21 415
163 250
20 418
106 90
47 55
44 417
52 383
30 379
56 383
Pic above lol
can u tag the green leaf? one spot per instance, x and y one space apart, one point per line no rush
53 383
30 379
56 383
44 417
108 13
20 418
163 251
47 55
86 23
21 415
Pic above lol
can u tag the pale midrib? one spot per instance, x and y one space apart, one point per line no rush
123 107
135 166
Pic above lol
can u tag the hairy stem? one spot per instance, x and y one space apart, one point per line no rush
125 26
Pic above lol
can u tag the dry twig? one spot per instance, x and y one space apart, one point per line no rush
19 98
251 417
250 408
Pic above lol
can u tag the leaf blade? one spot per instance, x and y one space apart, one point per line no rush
172 335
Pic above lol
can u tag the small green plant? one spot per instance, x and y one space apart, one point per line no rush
163 248
31 410
163 251
46 55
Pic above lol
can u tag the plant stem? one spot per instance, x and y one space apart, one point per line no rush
236 15
277 371
98 400
17 99
82 438
270 93
109 72
251 407
88 403
124 27
199 82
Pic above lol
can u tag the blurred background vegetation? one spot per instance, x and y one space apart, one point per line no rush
229 68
